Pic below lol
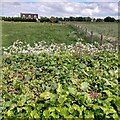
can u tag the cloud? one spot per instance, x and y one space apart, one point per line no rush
61 9
60 0
51 1
92 0
12 0
33 0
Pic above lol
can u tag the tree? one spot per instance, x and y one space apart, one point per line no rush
88 19
109 19
99 20
54 20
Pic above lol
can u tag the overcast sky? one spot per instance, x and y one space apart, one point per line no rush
60 8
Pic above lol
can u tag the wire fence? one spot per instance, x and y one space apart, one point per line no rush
92 37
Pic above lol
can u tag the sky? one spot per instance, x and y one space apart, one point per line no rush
60 8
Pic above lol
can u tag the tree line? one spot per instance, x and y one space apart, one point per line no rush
18 19
60 19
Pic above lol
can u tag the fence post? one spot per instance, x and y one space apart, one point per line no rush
101 39
92 36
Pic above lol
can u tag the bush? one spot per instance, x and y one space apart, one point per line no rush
60 85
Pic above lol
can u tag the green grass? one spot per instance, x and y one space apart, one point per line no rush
35 32
59 33
108 29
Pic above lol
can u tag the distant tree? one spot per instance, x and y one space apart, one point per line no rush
99 20
54 19
109 19
72 18
118 20
66 19
44 19
61 19
94 19
88 19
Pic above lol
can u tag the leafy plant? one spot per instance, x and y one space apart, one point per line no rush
60 85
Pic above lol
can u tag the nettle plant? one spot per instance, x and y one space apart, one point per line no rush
60 84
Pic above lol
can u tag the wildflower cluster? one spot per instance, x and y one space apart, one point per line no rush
42 46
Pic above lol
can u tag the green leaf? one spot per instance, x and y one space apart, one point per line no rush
82 65
45 95
71 109
84 85
27 109
61 99
110 111
19 109
69 116
51 109
59 89
107 92
72 90
89 114
10 113
20 103
115 116
112 72
85 72
58 108
88 99
9 103
46 113
34 114
54 115
28 77
74 81
53 98
64 111
77 107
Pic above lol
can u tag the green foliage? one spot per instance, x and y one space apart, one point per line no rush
60 86
19 19
36 32
109 19
109 29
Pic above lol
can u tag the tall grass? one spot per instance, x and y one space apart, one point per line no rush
35 32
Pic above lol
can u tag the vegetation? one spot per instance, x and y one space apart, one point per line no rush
49 32
105 28
59 19
109 19
57 79
35 32
60 85
18 19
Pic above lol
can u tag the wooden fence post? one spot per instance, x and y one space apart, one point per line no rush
101 39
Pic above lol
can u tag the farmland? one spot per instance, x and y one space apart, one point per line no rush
35 32
105 28
58 33
49 71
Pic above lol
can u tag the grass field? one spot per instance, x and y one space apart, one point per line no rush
59 33
35 32
105 28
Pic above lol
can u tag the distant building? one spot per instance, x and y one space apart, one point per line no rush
28 15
